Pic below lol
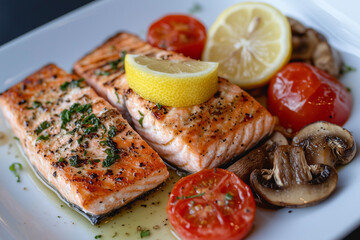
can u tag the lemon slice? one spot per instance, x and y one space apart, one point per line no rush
176 83
250 41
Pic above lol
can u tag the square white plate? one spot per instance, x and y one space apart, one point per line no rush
28 210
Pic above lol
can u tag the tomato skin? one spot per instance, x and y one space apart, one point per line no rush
300 94
199 206
179 33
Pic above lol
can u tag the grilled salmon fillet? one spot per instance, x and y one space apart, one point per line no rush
79 144
192 138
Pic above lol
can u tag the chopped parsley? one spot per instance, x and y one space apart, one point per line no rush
195 8
44 125
75 161
144 233
72 84
81 138
141 119
101 73
159 106
98 236
66 115
112 152
228 196
105 130
61 160
123 55
13 169
43 137
192 196
346 68
36 104
112 131
16 138
111 157
115 63
117 96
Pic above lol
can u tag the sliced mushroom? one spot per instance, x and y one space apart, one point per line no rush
312 47
326 143
292 182
327 59
261 157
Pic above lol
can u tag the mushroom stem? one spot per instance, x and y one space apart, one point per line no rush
261 157
292 182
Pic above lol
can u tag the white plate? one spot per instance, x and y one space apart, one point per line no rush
30 211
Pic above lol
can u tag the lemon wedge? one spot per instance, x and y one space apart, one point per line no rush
176 83
251 42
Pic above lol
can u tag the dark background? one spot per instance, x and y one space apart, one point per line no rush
20 16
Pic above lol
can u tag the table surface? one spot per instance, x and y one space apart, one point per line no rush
20 16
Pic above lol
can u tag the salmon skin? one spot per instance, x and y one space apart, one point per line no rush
79 144
192 138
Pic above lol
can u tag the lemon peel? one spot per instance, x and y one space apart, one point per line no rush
251 41
176 83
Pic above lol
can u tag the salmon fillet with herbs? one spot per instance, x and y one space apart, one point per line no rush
79 144
192 138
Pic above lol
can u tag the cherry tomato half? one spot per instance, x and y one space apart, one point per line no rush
301 94
179 33
212 204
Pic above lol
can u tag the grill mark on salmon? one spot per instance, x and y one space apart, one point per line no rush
90 156
192 138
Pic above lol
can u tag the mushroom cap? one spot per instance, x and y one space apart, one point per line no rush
258 158
326 143
312 47
292 182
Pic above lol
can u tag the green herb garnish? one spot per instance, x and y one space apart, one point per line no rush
195 9
105 130
72 84
123 55
346 68
66 115
16 138
75 161
144 233
110 158
159 106
43 137
98 236
192 196
117 96
101 73
141 119
44 125
81 138
36 104
115 63
115 234
228 196
112 131
61 160
13 169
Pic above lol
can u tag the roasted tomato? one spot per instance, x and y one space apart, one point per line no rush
301 94
179 33
212 204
